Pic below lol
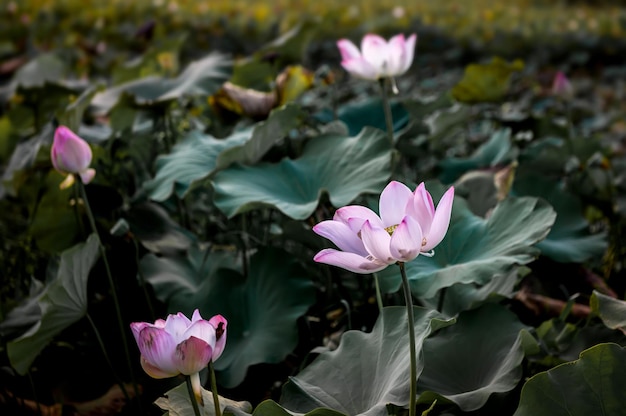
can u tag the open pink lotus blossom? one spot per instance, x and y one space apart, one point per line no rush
71 155
408 225
377 57
178 345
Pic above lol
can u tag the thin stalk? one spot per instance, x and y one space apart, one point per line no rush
142 280
107 358
379 296
409 314
192 396
116 302
384 88
216 397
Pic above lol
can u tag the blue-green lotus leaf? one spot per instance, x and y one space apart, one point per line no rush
497 150
202 77
369 112
261 309
570 239
367 371
612 311
62 302
468 362
344 167
591 385
199 155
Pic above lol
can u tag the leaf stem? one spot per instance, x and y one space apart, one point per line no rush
116 302
192 396
107 358
216 397
384 87
413 355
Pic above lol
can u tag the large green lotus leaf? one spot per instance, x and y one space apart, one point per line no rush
185 281
262 312
203 78
63 302
345 167
368 113
591 385
367 371
261 309
497 150
152 225
478 356
570 239
46 67
475 249
199 156
464 296
177 403
486 82
612 311
271 408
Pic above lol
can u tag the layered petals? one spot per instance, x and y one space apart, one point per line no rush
349 261
192 355
406 241
409 225
377 57
393 203
220 324
71 155
441 221
179 345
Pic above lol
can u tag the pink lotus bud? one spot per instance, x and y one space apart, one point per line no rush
561 87
71 155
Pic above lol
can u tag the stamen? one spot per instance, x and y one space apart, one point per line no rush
391 229
423 241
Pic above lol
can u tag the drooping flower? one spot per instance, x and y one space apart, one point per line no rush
408 225
377 57
178 345
562 87
71 155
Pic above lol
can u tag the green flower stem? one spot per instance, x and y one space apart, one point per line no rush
118 312
107 358
409 312
192 396
384 87
379 296
216 397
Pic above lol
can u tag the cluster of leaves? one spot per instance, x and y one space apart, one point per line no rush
211 172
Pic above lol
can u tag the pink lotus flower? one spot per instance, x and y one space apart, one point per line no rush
71 155
408 225
561 87
377 57
178 345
